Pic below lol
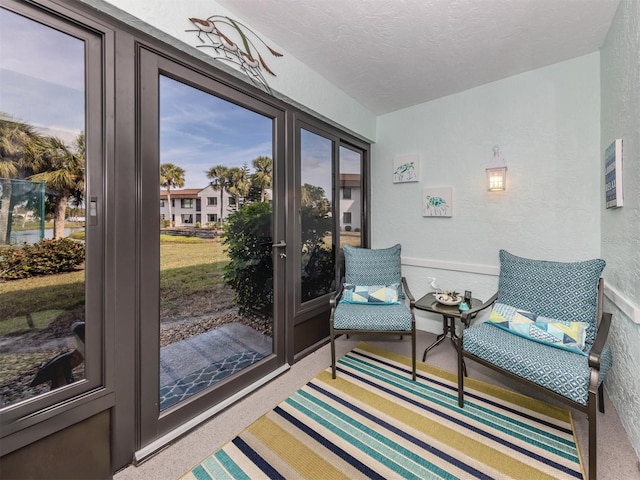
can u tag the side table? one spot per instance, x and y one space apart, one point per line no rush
449 314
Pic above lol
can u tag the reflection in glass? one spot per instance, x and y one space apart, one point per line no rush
316 222
216 269
350 197
42 189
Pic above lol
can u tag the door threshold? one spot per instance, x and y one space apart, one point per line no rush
149 450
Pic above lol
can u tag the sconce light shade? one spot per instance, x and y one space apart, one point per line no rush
496 172
496 179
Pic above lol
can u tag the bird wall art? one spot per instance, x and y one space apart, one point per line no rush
218 32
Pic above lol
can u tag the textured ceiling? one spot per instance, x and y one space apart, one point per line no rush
391 54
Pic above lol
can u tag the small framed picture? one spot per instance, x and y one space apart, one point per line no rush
406 168
437 202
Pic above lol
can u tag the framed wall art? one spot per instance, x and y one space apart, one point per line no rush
613 174
406 168
437 202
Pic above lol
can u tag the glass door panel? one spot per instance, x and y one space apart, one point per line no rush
216 236
316 215
351 197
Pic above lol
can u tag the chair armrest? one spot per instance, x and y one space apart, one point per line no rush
405 287
467 315
333 301
601 338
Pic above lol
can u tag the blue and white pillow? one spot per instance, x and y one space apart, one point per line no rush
371 294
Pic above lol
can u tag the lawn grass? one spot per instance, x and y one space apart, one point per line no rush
40 320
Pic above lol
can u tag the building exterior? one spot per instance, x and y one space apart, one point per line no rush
192 207
350 202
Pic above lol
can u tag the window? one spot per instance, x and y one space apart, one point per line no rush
186 203
346 193
346 218
212 201
161 203
212 217
187 218
48 85
232 201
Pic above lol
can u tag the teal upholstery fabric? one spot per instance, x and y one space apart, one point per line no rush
353 316
365 266
565 291
561 371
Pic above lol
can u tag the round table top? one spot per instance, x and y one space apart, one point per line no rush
430 304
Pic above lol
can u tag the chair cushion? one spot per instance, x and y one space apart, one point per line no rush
561 371
354 316
372 294
564 291
557 333
364 266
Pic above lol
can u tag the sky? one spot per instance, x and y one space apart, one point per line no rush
42 76
199 130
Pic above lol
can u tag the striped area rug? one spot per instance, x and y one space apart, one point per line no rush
374 422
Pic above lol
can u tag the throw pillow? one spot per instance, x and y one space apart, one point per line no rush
557 333
371 294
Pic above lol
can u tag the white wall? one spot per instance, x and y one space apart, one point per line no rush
546 122
293 78
620 78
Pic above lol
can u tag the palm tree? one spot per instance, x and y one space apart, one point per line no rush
218 177
62 170
14 137
171 176
237 182
263 175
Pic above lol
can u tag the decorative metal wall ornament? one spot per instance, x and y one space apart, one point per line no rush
210 34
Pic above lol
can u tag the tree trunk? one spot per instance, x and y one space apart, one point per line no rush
58 217
5 218
169 205
221 197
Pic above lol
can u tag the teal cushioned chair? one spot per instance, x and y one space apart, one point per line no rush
373 267
562 291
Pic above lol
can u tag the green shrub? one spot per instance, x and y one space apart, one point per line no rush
43 258
247 236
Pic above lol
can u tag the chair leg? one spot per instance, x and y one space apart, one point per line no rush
593 440
333 356
461 374
413 355
601 397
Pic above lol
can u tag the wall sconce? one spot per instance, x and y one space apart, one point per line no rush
496 172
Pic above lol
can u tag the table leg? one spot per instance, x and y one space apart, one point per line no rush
439 339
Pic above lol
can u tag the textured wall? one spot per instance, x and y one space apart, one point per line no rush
546 122
294 79
620 80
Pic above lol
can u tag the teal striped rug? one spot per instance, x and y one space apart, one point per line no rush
374 422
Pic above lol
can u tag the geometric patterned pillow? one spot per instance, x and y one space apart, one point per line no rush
365 266
371 294
556 333
558 290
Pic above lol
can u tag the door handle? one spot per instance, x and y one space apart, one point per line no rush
281 244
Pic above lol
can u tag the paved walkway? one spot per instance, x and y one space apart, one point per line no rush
191 365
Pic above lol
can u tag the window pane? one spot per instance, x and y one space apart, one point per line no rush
216 276
42 189
317 269
351 198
